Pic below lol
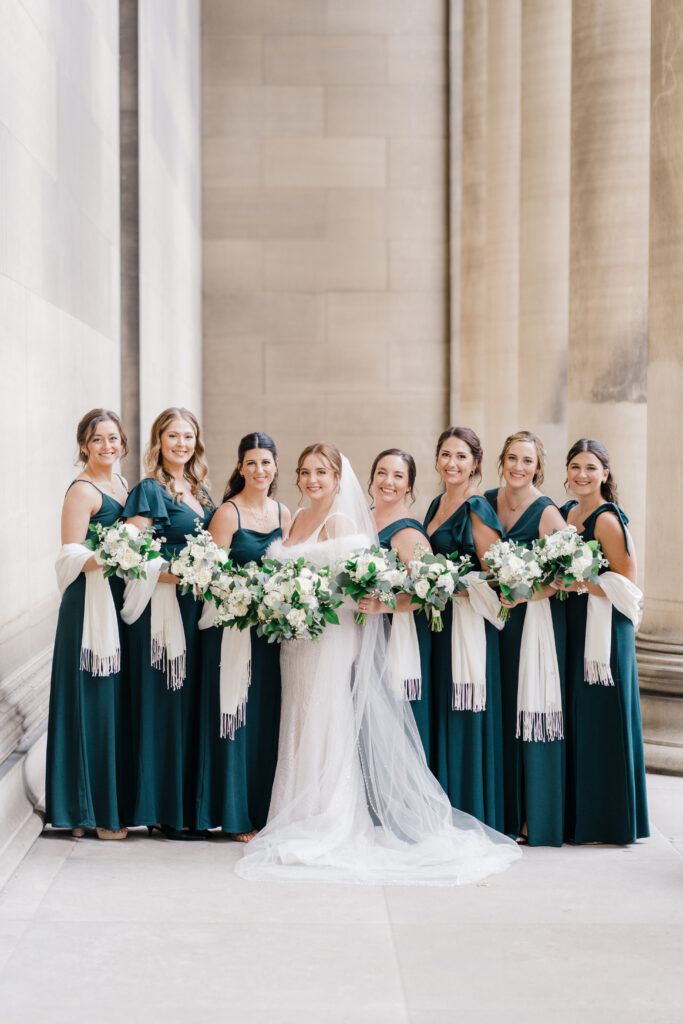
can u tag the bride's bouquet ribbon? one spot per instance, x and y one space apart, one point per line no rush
235 672
626 598
468 643
403 654
539 693
100 643
168 649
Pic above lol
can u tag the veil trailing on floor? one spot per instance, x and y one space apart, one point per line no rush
354 799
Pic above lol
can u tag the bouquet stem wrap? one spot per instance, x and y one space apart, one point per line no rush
404 657
235 673
468 643
100 643
626 598
167 634
539 694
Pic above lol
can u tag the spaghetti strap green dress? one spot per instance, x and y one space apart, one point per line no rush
84 783
236 776
163 723
421 708
606 794
534 772
468 745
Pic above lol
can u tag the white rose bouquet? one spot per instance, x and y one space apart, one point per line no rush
122 549
199 563
436 580
515 570
566 558
298 600
376 573
236 591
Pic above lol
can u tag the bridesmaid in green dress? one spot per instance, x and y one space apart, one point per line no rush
534 771
83 770
468 745
606 794
164 723
236 775
392 479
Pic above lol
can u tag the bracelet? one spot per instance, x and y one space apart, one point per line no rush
582 589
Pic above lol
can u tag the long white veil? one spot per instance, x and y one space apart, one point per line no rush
354 799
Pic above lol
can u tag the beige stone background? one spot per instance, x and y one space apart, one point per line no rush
353 220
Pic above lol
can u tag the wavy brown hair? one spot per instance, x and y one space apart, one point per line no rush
196 469
528 438
328 451
85 431
608 489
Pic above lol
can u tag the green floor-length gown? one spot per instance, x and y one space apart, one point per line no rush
164 723
422 708
236 775
468 745
83 784
533 772
606 794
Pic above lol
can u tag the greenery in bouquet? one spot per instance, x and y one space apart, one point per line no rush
237 591
122 549
298 600
373 572
515 570
566 558
199 563
437 579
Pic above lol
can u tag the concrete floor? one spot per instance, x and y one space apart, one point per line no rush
147 930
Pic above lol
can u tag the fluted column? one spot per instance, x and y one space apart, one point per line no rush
501 323
660 642
544 228
609 239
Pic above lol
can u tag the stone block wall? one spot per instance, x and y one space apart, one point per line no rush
324 220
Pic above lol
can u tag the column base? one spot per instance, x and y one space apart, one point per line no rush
660 672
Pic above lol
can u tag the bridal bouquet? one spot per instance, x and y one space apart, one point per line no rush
236 591
515 570
565 557
437 579
122 549
298 601
199 563
376 573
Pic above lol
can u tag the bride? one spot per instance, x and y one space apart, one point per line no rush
353 799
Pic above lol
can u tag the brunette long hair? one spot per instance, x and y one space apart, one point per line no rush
608 489
89 424
256 440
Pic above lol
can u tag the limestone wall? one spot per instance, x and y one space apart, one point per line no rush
59 304
325 219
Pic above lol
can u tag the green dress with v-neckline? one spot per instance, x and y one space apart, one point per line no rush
236 775
84 778
606 792
163 749
534 771
468 754
422 708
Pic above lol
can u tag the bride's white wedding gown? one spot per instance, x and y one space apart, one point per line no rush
353 798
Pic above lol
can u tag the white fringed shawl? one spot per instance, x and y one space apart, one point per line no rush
626 598
539 694
235 673
403 654
167 634
468 643
100 643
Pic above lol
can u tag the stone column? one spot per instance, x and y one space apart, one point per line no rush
503 99
544 228
609 239
660 642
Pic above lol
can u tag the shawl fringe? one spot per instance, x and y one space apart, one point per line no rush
540 726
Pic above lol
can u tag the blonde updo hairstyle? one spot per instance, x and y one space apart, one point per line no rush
196 469
528 438
331 455
85 431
